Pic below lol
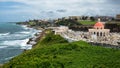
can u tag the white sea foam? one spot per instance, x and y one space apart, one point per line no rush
25 27
27 47
15 36
9 58
1 47
4 34
15 42
39 30
8 39
24 32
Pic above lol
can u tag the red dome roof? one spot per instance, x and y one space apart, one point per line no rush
98 25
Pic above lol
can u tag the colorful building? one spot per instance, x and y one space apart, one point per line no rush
98 31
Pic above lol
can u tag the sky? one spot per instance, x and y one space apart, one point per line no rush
22 10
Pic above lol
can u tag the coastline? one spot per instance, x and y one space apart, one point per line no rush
32 41
36 37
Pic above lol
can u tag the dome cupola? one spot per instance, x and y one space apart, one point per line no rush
99 25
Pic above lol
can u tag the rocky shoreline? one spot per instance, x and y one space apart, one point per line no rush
36 37
33 41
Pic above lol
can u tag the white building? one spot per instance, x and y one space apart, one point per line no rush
61 29
98 31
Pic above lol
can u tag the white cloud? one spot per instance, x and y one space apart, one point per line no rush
41 8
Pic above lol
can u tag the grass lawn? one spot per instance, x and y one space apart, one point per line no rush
55 52
85 22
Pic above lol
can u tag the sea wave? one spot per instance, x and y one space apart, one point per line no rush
9 58
4 34
15 42
14 37
18 39
24 32
1 47
39 30
27 47
25 27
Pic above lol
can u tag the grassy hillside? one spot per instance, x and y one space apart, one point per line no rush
85 22
68 22
55 52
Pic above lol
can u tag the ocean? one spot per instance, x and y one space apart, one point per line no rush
13 39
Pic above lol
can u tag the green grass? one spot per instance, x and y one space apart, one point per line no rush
68 23
85 22
113 22
32 23
55 52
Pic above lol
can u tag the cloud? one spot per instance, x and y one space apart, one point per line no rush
59 8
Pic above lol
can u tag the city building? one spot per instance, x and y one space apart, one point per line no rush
61 29
98 31
118 17
75 17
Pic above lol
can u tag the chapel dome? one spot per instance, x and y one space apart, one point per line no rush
99 25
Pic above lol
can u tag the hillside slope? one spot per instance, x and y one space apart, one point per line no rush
55 52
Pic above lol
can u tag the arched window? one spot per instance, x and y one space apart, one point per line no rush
100 33
104 34
97 33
